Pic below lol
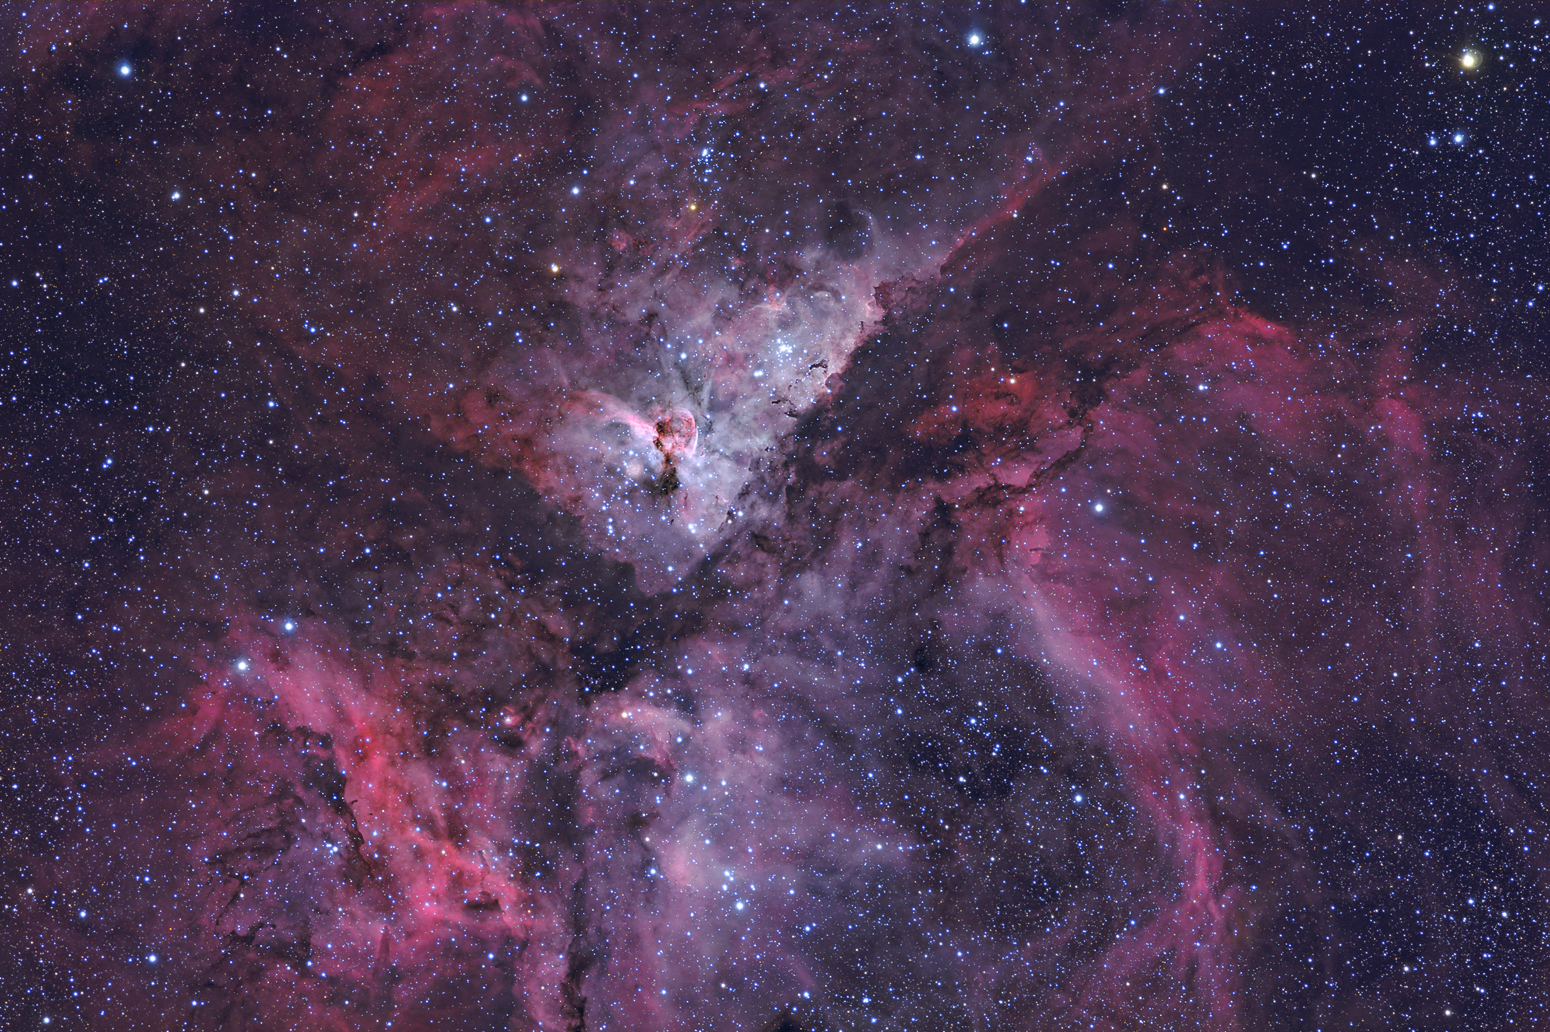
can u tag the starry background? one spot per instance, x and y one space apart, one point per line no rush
747 516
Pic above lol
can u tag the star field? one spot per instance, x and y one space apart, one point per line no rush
793 518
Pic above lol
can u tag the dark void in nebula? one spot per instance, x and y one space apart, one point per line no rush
786 518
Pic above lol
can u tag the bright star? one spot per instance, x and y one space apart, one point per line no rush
124 70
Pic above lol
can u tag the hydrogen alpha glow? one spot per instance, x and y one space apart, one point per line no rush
631 517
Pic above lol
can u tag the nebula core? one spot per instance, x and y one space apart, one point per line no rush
793 518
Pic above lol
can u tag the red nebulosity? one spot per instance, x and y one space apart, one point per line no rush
699 518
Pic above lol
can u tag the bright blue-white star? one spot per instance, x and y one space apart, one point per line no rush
124 70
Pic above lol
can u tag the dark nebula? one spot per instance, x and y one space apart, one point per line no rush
774 517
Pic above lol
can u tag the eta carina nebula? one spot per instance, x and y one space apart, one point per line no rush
806 518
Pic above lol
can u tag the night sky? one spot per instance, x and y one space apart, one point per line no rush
785 518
